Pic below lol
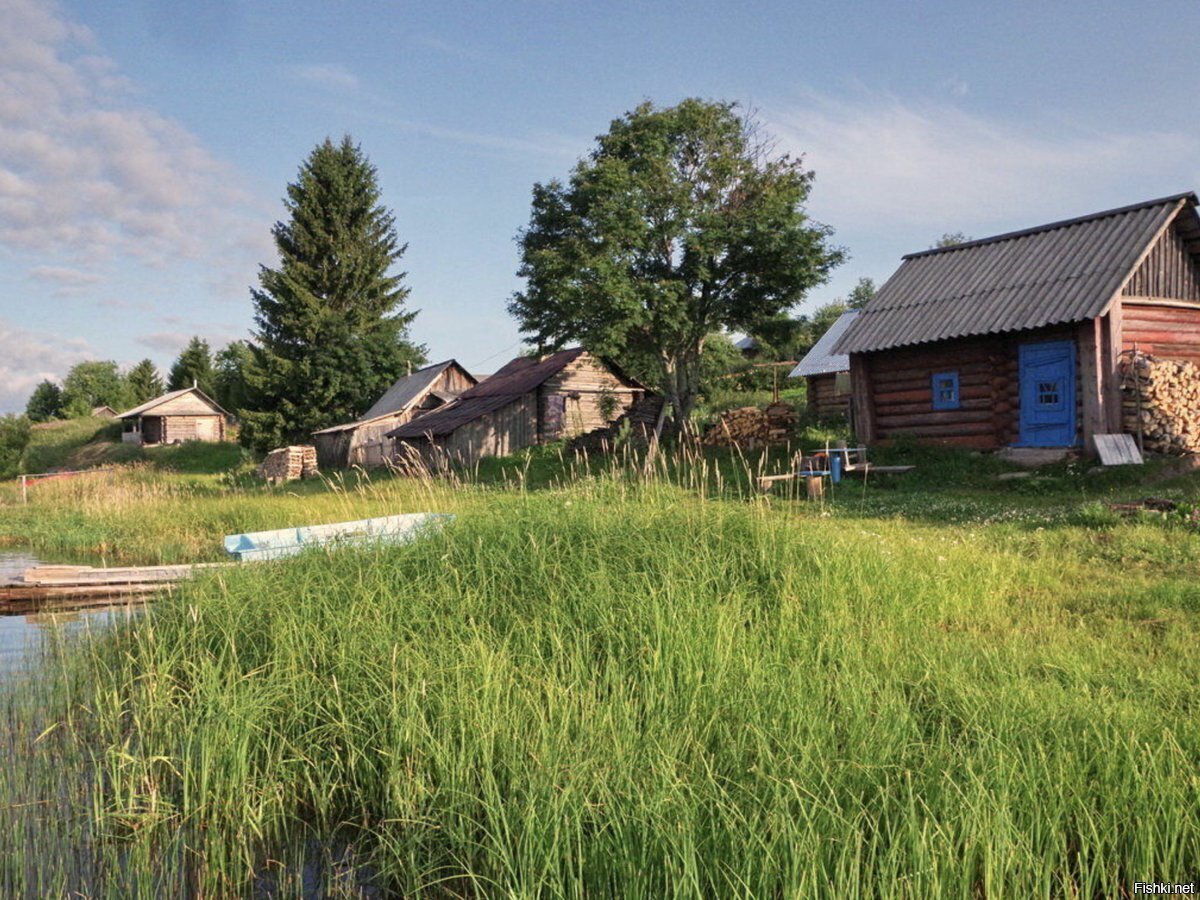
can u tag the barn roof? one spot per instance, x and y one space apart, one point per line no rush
401 395
509 384
171 395
1062 272
820 359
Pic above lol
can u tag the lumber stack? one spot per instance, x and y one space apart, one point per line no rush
43 588
637 423
289 463
1161 398
781 420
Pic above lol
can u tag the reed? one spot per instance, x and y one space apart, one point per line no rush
624 686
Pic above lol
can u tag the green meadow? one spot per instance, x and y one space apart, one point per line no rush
609 678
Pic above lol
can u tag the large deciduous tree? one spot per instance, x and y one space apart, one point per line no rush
91 384
229 375
45 403
332 328
681 222
193 368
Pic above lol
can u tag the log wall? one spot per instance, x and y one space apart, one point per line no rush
1170 332
900 390
825 401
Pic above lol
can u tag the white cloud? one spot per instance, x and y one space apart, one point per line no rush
88 174
65 277
887 164
169 342
28 357
326 75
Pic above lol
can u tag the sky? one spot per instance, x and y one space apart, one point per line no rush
145 146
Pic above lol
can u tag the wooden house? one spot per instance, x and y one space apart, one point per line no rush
104 412
528 401
827 374
175 417
1015 340
364 442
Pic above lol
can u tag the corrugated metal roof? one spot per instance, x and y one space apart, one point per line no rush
171 395
400 395
820 359
1057 273
516 378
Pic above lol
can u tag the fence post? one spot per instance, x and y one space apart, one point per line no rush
24 491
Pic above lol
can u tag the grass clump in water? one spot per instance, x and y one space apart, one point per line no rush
621 691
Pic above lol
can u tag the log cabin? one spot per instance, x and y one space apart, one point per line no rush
365 441
177 416
530 400
1015 340
827 374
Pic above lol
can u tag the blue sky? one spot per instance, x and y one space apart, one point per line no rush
144 145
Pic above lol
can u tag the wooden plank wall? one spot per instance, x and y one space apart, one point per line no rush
1169 270
187 405
1172 332
901 390
824 399
176 429
591 381
499 433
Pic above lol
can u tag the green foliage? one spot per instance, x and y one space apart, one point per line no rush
75 443
15 433
949 239
332 330
616 688
144 382
679 223
229 376
45 403
194 367
94 383
861 294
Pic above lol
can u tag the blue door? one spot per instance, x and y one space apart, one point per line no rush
1047 394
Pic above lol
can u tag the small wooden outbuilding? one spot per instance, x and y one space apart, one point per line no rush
827 374
531 400
103 412
177 416
1016 340
364 442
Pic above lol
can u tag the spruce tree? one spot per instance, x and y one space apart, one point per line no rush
144 382
193 368
332 329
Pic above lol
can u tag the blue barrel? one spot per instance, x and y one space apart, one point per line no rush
835 468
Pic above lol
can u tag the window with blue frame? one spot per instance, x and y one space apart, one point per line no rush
945 390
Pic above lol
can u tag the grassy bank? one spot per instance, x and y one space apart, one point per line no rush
614 688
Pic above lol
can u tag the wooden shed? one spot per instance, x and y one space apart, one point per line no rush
103 412
364 442
827 374
1015 340
529 401
175 417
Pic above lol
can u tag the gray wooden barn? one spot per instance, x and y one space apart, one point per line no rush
529 401
826 374
177 416
365 441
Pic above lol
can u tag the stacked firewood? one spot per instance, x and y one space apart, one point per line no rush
289 463
1160 399
781 420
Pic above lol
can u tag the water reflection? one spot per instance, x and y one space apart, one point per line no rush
21 637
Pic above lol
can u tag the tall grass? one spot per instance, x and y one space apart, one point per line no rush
621 688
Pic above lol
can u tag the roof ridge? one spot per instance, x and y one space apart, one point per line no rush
1053 226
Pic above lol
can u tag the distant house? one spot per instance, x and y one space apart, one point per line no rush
103 412
528 401
184 415
827 374
748 347
364 442
1015 340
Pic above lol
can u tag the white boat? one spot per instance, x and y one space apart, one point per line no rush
290 541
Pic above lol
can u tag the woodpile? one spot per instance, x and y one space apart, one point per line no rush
750 427
1160 399
289 463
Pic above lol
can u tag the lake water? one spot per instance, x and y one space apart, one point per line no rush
21 636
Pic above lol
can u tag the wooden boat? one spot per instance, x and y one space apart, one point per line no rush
260 545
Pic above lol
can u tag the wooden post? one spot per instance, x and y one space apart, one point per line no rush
1114 334
863 402
24 490
815 486
1090 348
